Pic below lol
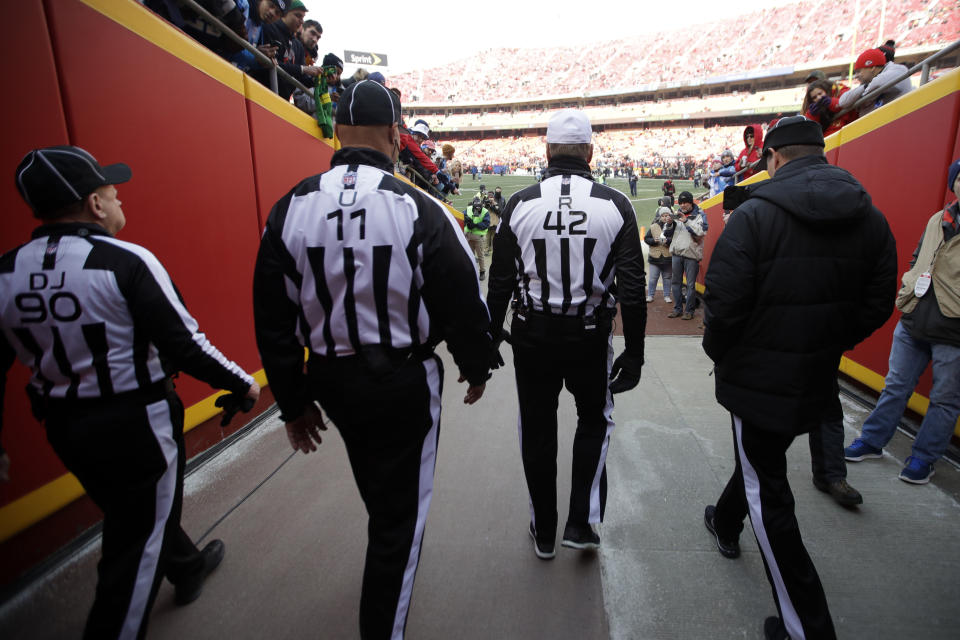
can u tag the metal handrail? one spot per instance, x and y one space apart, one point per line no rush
257 54
923 66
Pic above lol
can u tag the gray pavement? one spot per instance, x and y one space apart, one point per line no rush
295 533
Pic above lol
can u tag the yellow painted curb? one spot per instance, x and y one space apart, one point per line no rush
56 494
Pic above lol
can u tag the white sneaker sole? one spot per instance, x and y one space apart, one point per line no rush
586 546
543 555
866 456
912 481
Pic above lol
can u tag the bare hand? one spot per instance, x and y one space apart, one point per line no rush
4 468
254 392
305 430
313 72
473 393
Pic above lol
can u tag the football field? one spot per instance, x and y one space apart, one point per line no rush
645 203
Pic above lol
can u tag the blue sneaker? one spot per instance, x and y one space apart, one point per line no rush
860 450
916 471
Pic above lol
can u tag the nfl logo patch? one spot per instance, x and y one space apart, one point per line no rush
350 179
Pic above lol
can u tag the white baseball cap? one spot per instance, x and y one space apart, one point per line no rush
420 128
569 126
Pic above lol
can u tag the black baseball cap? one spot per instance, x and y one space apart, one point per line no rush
368 103
52 178
685 196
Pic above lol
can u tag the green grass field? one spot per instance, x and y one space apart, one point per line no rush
645 204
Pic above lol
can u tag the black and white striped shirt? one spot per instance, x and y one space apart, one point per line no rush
93 316
569 246
355 257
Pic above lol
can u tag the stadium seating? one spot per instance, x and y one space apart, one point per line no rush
639 145
784 100
796 34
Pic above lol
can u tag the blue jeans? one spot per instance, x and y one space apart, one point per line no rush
656 272
688 267
908 359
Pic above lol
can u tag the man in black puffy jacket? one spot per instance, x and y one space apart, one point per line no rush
805 269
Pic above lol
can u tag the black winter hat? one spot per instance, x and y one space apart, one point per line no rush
685 196
791 131
331 60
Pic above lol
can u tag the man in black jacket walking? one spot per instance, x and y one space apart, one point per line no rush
805 269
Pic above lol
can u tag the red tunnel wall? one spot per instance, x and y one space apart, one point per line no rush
903 165
207 163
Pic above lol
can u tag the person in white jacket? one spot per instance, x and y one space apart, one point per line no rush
687 252
873 71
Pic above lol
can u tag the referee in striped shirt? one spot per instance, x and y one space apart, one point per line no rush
370 274
571 251
102 327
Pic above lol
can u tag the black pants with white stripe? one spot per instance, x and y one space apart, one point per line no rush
390 424
759 488
129 457
543 364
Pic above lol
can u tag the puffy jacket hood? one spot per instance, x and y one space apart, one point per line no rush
757 135
815 192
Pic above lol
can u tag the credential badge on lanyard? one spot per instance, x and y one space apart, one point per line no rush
923 284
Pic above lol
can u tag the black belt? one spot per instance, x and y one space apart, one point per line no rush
143 395
553 324
379 359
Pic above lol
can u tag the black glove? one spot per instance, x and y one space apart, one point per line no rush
231 403
496 360
626 370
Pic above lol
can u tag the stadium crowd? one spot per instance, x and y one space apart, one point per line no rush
279 30
757 40
656 150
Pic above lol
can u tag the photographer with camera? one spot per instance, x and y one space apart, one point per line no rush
659 236
687 252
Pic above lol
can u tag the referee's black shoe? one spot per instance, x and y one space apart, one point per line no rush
190 589
774 629
544 550
580 536
727 548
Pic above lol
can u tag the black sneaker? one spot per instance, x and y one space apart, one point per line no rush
190 589
580 536
773 629
727 548
544 550
841 492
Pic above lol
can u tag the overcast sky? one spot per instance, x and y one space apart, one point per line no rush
437 32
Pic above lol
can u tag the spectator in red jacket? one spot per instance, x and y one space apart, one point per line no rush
752 145
822 101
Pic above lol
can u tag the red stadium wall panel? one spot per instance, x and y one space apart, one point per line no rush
208 161
282 154
32 117
900 154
